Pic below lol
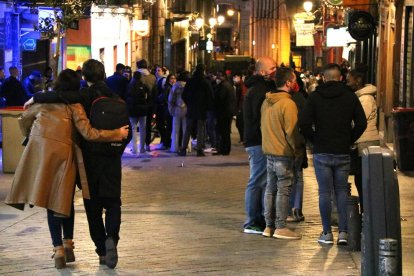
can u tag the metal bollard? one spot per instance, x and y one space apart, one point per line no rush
354 224
388 257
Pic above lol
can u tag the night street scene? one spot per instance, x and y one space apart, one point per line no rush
206 137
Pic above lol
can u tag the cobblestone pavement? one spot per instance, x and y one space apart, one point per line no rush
183 216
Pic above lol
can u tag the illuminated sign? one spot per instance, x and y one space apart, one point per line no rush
29 44
338 37
141 27
77 55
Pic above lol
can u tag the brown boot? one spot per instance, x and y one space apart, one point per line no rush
59 257
68 244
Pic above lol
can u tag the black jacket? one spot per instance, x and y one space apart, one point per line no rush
337 116
103 172
198 96
255 96
225 100
118 84
13 92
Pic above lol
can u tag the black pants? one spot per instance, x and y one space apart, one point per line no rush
240 124
149 127
164 125
99 230
57 224
223 134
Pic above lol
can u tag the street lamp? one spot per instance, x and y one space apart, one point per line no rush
231 12
307 6
220 19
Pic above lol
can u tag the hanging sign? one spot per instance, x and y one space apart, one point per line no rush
141 27
304 34
361 25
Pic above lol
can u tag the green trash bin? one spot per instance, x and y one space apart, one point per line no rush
404 137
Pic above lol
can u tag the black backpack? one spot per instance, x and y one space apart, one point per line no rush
109 113
138 98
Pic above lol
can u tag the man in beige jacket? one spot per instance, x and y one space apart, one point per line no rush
281 143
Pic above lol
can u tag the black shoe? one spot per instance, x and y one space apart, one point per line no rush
101 260
111 258
297 214
182 153
200 153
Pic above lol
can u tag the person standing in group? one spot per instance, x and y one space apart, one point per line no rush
241 91
198 96
258 85
104 172
163 117
333 119
281 143
12 90
225 102
151 82
54 144
139 101
117 82
48 79
296 195
32 83
366 93
178 110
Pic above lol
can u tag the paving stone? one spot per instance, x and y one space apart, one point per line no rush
185 220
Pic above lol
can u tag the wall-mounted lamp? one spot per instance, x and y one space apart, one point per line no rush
230 12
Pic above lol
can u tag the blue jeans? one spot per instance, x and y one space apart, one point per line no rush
279 184
296 196
255 187
332 171
57 224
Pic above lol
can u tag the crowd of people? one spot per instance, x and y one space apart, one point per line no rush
284 111
279 113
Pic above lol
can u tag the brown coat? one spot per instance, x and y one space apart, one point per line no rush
46 173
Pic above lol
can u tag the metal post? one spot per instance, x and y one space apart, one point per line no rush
388 257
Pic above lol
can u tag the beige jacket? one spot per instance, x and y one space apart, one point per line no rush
366 96
46 173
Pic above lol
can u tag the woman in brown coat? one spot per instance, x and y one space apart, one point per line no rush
46 173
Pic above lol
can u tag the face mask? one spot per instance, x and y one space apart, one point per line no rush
295 87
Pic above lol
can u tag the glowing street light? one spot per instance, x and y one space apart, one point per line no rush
212 21
220 19
308 5
199 22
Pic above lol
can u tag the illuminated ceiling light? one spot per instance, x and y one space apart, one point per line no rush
230 12
220 19
152 2
253 42
308 5
199 22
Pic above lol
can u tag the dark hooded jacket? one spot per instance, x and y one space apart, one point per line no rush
333 118
198 96
257 89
